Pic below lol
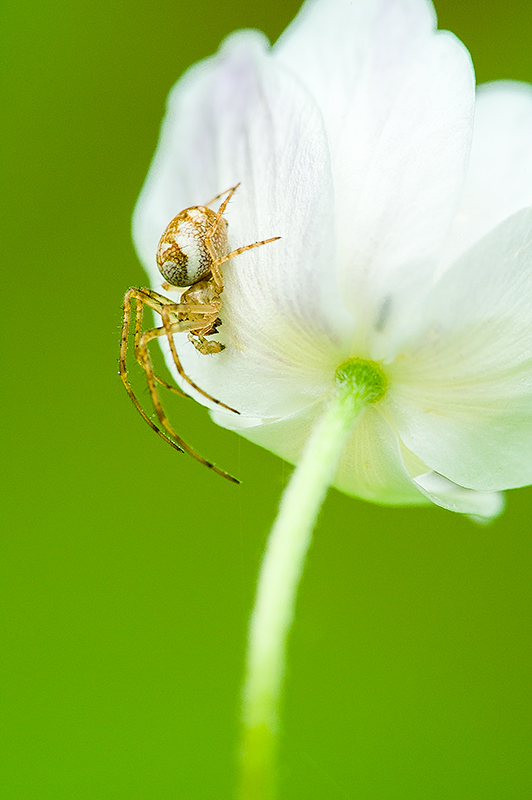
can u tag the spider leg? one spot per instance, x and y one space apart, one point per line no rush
216 273
163 419
139 308
232 190
218 261
151 298
233 253
188 325
126 321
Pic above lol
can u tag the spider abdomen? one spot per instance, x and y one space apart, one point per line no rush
182 255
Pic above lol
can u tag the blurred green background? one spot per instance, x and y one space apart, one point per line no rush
128 570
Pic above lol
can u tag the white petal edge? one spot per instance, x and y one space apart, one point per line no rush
460 393
345 34
499 179
483 506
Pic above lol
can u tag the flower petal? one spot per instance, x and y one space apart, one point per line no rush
371 466
499 180
240 116
460 393
397 100
483 505
347 36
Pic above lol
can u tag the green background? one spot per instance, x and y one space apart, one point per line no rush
128 570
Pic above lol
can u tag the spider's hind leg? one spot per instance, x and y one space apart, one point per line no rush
139 314
157 302
139 296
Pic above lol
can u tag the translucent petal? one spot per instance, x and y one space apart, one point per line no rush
499 179
240 116
400 211
371 466
460 393
348 35
397 100
484 505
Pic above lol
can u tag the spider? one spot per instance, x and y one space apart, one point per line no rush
190 254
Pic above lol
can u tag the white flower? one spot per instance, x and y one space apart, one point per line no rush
404 206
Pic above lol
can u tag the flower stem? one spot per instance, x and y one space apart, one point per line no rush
280 572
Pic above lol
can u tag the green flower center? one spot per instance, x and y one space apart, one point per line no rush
364 381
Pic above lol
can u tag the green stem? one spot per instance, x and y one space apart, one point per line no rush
281 570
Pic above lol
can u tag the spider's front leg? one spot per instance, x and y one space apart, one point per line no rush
218 260
195 327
